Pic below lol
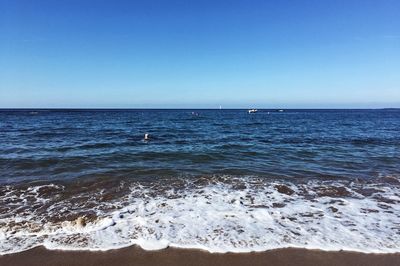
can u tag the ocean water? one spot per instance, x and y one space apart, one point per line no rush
218 180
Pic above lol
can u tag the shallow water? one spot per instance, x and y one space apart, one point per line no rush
219 180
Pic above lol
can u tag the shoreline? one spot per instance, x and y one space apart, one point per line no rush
134 255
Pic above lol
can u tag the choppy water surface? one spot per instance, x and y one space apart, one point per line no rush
219 180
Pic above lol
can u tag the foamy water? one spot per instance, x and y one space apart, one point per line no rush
216 214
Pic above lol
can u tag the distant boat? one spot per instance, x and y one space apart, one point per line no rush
280 110
252 111
220 107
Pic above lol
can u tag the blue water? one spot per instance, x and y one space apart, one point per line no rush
217 180
71 144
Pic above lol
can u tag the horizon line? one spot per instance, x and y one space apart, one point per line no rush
185 108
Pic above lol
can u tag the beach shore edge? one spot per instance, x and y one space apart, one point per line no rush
173 256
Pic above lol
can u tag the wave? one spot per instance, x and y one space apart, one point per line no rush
217 214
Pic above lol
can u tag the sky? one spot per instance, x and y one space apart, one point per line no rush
199 54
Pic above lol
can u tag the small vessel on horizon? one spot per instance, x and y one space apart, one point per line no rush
251 111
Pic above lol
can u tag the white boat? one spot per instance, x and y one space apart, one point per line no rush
251 111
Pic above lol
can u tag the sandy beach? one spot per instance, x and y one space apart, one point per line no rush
172 256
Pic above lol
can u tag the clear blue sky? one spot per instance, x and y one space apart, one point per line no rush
286 54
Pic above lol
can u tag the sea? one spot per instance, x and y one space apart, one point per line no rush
216 180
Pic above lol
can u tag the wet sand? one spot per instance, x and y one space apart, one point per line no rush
177 257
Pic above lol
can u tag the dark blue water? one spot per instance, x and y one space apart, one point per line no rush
70 144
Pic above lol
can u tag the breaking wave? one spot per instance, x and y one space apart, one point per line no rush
217 214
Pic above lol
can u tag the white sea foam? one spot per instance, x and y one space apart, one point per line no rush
223 217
